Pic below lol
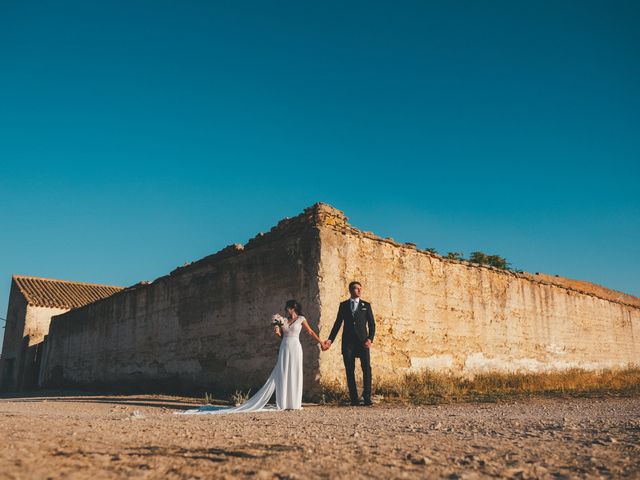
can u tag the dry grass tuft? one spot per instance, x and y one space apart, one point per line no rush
428 387
239 397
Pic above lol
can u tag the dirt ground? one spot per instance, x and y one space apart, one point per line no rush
140 437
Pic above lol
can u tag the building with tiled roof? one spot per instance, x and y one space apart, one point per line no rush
47 292
32 303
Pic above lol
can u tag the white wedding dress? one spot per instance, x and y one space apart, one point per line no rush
285 379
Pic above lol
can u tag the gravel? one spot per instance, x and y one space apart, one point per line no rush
140 437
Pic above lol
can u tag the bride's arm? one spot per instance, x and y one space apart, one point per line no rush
306 326
276 329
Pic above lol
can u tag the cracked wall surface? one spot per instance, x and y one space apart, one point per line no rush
205 326
465 318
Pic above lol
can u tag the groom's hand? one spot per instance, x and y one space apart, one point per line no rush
367 344
327 344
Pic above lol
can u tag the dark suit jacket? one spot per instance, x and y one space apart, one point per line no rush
358 327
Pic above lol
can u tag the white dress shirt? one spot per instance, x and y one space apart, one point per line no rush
354 302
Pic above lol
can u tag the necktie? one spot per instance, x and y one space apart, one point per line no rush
353 306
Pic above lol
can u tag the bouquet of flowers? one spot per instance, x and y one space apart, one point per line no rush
277 320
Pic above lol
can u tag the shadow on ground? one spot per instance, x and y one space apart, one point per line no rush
159 401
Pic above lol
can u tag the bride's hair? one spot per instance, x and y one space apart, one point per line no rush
295 305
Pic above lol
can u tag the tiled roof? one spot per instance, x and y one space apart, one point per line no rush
47 292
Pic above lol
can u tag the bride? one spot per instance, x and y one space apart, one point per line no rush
286 376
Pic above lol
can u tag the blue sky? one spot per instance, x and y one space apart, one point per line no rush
139 135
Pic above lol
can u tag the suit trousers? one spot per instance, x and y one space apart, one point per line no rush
349 353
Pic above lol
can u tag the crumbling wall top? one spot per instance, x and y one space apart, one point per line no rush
326 216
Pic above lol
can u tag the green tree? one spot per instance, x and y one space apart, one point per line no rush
455 255
498 261
479 257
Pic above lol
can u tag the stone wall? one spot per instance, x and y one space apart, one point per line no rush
14 326
465 318
38 320
25 329
12 358
205 327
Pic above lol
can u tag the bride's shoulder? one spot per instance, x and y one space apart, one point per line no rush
302 318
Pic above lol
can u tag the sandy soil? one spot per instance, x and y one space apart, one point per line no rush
140 437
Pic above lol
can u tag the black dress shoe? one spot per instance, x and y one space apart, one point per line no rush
368 403
355 404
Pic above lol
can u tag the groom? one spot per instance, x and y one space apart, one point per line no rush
357 337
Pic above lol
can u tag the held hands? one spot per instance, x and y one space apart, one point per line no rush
327 344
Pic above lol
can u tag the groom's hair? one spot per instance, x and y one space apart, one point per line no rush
354 283
295 305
